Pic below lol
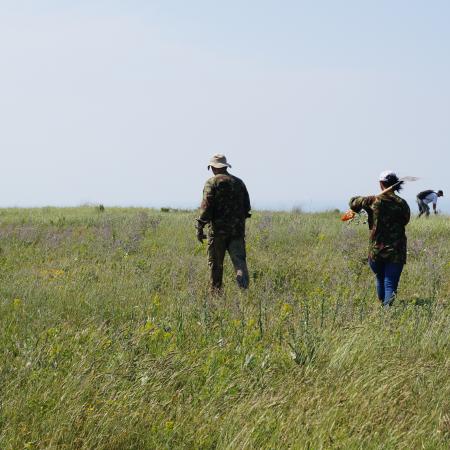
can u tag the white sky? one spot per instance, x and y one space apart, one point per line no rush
123 103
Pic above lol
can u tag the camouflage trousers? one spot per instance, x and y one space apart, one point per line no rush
217 247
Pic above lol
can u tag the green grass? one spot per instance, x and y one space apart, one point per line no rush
109 340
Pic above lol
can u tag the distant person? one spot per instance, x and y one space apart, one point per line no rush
225 207
424 198
388 214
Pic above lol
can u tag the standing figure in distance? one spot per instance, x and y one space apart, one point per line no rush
225 207
388 214
424 198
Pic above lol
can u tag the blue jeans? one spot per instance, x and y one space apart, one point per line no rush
388 276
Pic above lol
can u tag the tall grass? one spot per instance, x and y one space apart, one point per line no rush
109 339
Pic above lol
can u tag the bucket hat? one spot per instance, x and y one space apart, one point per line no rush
218 161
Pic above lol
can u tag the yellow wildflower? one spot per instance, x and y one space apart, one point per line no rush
17 303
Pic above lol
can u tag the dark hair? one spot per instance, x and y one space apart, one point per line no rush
440 192
392 179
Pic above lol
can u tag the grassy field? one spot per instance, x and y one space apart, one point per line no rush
109 340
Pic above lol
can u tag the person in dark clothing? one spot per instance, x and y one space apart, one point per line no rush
424 198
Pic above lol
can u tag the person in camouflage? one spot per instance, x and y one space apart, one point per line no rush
225 207
388 214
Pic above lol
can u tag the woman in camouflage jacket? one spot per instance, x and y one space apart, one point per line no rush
388 214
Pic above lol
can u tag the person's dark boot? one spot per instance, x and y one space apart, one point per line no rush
242 280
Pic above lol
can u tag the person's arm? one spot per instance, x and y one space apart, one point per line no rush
206 210
247 206
407 213
433 197
358 203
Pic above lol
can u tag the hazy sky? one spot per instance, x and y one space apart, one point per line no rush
124 102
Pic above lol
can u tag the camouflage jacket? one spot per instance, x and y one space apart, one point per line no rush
225 205
388 215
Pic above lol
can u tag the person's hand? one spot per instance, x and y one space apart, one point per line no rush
200 235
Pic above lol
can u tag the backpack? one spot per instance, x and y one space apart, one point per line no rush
423 194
